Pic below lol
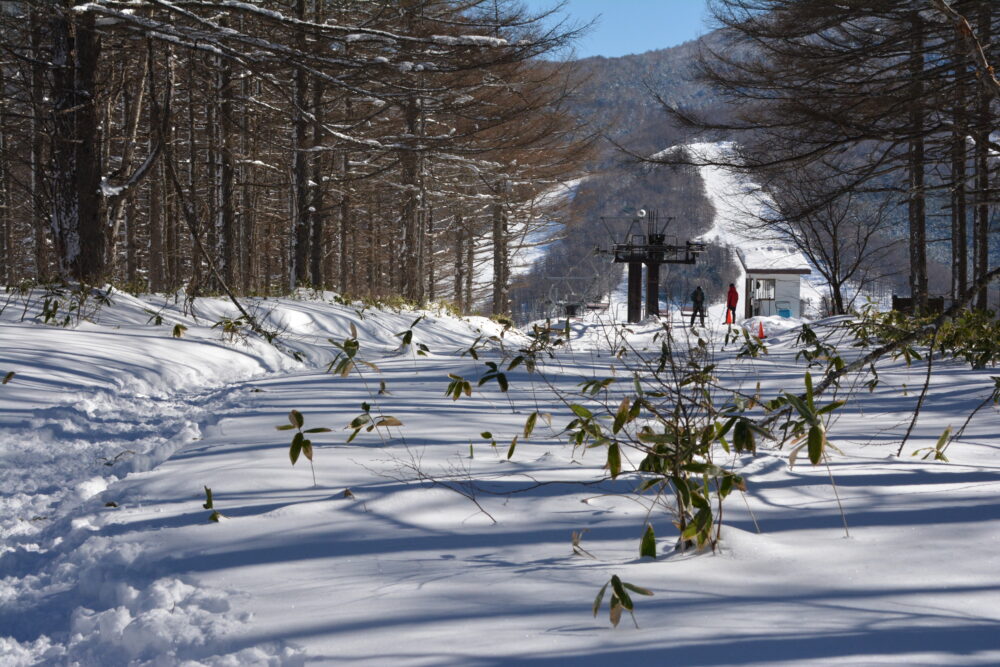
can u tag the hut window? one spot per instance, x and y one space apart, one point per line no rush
763 289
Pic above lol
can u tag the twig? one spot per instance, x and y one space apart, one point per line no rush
836 494
923 395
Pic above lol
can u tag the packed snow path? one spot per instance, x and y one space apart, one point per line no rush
100 568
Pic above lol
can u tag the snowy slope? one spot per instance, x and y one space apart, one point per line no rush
735 204
444 551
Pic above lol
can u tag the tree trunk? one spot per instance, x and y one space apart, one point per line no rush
917 210
501 273
459 264
156 240
6 205
981 222
225 176
374 245
470 259
38 167
429 256
409 179
959 158
76 202
345 222
318 214
300 166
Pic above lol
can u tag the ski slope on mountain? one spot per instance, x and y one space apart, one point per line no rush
425 544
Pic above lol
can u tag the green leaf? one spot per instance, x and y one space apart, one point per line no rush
615 614
295 450
621 417
831 407
529 425
817 438
943 439
513 445
285 427
619 589
208 499
581 411
318 429
8 377
307 449
600 598
502 381
742 440
486 435
802 408
295 417
637 589
690 531
360 421
614 460
647 547
809 391
709 469
648 484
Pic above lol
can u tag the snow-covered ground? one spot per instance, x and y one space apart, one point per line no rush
422 544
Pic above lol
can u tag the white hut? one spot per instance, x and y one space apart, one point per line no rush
773 278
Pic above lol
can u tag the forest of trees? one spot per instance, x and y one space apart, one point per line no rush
402 148
857 116
375 147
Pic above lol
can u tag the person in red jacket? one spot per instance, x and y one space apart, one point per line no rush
732 298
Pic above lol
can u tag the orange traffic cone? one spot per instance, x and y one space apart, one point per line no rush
729 316
760 332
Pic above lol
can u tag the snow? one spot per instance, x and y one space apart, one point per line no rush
736 206
109 190
110 431
469 40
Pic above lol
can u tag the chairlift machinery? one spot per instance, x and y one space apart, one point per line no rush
652 249
566 292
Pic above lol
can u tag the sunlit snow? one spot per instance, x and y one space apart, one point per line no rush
112 429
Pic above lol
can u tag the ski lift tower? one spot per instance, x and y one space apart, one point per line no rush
651 249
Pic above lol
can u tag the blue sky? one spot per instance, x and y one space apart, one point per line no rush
632 26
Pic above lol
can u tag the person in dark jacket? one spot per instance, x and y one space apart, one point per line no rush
698 305
732 298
